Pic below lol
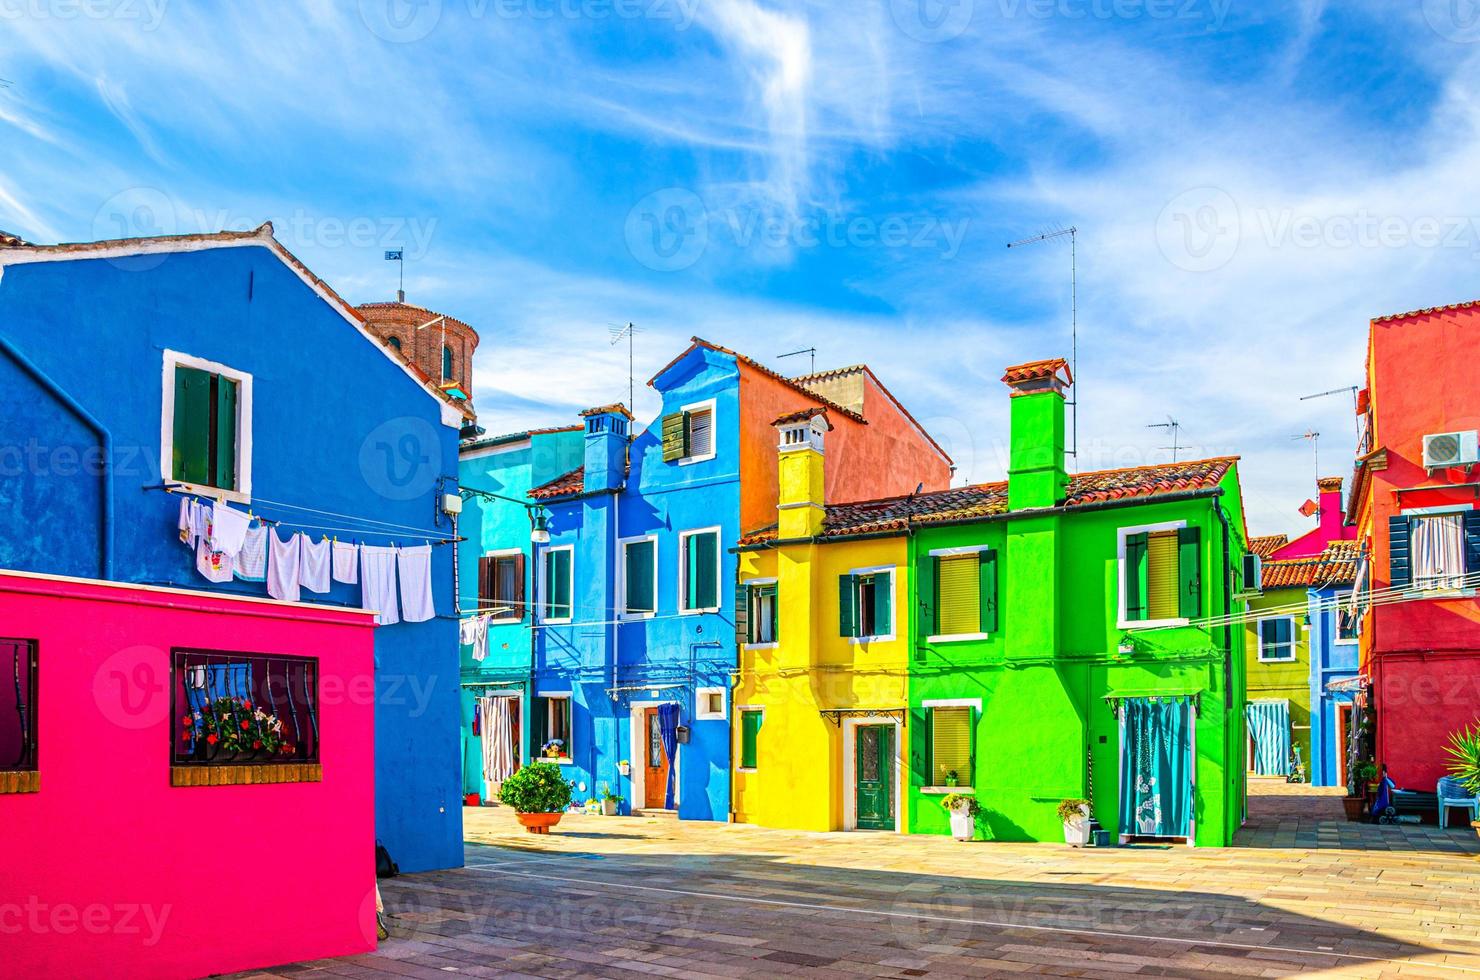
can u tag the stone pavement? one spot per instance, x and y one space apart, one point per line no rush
632 897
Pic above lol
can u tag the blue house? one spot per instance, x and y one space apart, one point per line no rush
632 618
1333 662
137 372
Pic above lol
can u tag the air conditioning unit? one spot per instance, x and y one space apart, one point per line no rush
1451 449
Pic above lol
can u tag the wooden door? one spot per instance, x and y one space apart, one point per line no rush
655 763
874 777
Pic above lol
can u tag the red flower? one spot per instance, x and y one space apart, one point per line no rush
256 745
246 725
185 737
187 721
211 738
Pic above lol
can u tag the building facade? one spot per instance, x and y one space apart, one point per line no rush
439 347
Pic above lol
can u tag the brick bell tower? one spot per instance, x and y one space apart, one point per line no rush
439 346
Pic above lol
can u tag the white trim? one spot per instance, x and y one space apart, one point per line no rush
973 549
700 713
958 637
1294 656
953 703
539 585
946 790
850 769
894 604
503 552
622 612
174 359
759 581
1120 535
712 405
638 740
1342 601
683 570
482 452
760 646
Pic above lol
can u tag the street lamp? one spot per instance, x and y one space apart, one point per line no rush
539 518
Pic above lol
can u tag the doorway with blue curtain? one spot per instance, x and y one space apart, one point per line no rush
1156 767
655 735
1269 737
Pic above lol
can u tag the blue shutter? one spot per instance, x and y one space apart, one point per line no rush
1472 542
1400 561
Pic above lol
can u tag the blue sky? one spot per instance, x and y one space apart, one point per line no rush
1251 181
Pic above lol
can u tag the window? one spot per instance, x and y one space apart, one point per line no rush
761 613
950 744
1276 639
395 342
866 604
18 717
206 435
1346 620
640 577
688 435
447 374
552 727
556 584
750 730
965 593
699 571
1161 578
501 586
243 710
709 704
1437 543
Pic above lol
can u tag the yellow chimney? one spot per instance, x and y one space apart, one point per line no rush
800 466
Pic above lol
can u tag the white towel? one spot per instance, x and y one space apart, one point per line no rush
313 565
215 566
346 562
189 521
282 566
473 632
228 529
250 564
415 566
378 583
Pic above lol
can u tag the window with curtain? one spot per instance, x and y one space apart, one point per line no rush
553 731
501 587
750 730
763 613
699 571
557 584
951 744
1438 543
1277 639
639 582
866 604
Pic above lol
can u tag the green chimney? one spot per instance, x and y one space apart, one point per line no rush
1036 476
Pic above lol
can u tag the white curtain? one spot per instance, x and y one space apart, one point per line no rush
1439 552
497 741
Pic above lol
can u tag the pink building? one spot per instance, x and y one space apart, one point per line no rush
1330 525
143 840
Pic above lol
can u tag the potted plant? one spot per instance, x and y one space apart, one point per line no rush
553 749
1074 815
609 801
233 729
1464 762
963 810
538 794
952 777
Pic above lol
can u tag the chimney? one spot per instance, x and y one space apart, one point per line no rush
799 503
1331 515
606 446
1036 477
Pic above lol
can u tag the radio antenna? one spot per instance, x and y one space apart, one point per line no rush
618 333
1175 428
1073 234
804 350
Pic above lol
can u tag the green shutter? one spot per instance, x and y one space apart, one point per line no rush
847 606
539 718
1189 573
191 458
1135 577
883 604
750 730
225 455
1400 561
706 554
639 577
931 602
744 633
772 590
920 746
675 436
989 591
557 585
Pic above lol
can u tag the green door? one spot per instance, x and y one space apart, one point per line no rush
875 777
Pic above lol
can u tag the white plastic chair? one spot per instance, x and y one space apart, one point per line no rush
1452 794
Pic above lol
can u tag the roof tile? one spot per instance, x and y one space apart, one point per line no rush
1337 565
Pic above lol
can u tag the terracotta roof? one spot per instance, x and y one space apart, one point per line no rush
1329 484
1337 565
562 486
986 500
614 409
842 372
867 371
804 415
1452 307
1037 371
393 305
7 240
1268 544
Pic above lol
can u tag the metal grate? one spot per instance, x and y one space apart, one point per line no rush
243 708
18 706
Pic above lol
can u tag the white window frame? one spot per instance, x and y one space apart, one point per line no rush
1294 640
961 552
622 543
749 584
243 492
1343 600
703 714
739 729
975 704
683 570
541 603
570 742
894 606
1120 604
712 406
1439 510
518 614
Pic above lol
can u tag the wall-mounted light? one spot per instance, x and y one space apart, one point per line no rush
539 532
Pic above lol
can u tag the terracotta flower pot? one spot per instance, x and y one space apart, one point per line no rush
538 823
1355 806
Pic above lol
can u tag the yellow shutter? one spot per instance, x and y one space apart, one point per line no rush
1162 581
959 600
950 747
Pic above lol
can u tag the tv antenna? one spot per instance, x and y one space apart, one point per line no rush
1175 428
804 350
1315 446
618 333
1336 391
1073 234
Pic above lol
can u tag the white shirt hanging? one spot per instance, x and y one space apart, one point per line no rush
378 583
313 564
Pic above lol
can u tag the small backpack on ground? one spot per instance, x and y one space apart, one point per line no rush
384 866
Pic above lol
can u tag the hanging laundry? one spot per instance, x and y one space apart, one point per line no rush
214 566
476 712
346 562
313 565
250 564
415 566
473 632
378 583
228 529
283 566
190 521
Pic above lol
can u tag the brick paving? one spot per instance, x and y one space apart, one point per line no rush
641 897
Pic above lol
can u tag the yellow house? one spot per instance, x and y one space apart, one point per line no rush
821 701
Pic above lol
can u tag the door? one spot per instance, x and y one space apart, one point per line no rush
875 777
1156 782
655 763
1343 732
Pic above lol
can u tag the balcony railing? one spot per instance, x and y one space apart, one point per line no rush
17 715
245 710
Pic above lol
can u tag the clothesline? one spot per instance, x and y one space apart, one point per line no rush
390 532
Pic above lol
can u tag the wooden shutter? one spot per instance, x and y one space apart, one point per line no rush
191 456
517 599
930 601
224 457
638 577
883 604
958 595
700 429
485 583
950 745
774 592
1189 573
1162 582
675 437
1400 560
988 590
847 605
706 555
750 730
743 630
539 723
1135 577
1472 542
920 746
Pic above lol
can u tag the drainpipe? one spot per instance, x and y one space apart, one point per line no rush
105 440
